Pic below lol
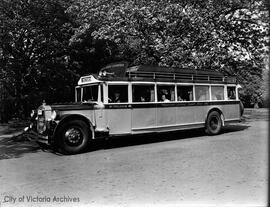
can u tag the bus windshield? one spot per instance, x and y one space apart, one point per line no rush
87 93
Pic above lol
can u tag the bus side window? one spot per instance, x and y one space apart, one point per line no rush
202 93
231 93
118 93
143 93
217 92
184 93
165 93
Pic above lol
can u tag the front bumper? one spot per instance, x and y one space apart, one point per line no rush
36 137
46 137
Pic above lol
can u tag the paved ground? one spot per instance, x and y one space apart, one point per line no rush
176 169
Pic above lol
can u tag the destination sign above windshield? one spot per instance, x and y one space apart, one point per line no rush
87 80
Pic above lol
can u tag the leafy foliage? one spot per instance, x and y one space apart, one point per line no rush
34 53
45 45
230 36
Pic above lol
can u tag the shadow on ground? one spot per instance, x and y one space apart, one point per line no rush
126 141
13 127
16 147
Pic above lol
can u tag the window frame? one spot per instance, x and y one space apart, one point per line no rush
99 99
165 84
209 92
116 83
76 93
185 84
143 83
236 92
218 85
106 84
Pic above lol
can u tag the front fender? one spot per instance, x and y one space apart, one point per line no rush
66 118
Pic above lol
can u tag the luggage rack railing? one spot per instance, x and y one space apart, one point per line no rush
178 76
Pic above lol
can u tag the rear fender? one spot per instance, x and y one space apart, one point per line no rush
219 111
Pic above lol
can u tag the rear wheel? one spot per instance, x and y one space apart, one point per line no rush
213 123
73 137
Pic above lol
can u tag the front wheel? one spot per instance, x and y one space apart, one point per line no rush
73 137
213 123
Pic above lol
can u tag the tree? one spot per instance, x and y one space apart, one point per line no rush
34 52
45 45
229 36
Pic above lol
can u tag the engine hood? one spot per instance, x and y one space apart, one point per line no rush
73 106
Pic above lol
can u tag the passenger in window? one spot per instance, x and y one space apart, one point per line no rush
202 96
190 96
164 99
180 99
185 93
172 95
214 97
164 91
142 99
116 97
218 96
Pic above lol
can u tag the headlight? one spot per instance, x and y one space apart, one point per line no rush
102 73
54 115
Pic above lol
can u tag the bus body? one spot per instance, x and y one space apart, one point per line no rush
123 100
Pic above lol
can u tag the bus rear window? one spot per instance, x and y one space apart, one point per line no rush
231 93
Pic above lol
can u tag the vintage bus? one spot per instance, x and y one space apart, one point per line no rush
123 100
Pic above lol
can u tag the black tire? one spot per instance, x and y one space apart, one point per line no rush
73 137
213 123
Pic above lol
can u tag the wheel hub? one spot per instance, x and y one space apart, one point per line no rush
73 136
214 123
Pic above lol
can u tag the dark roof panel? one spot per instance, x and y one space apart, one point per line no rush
118 71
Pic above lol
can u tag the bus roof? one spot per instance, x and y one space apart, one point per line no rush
121 72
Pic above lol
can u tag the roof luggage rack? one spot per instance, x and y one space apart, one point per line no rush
182 74
117 71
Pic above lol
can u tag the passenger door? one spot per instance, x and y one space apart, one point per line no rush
166 106
143 108
118 110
